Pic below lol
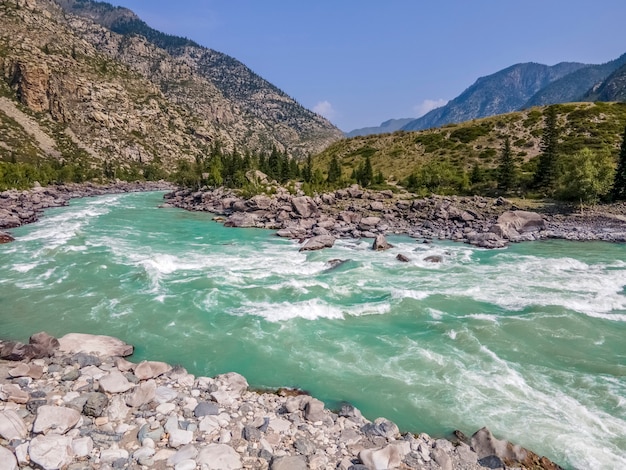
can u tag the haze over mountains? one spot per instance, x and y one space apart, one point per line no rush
522 86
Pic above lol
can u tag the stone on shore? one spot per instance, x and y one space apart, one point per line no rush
175 420
150 369
318 243
490 450
512 224
51 452
55 419
219 457
12 426
8 460
100 345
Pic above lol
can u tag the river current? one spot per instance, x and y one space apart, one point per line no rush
529 341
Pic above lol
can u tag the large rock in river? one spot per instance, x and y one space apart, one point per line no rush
318 243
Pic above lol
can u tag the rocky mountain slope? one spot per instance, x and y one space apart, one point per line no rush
502 92
267 114
93 94
576 85
612 89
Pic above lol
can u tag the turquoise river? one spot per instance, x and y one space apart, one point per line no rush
529 341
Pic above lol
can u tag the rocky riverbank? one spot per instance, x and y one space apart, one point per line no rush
76 403
356 213
23 207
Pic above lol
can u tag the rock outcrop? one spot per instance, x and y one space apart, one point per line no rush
128 98
100 412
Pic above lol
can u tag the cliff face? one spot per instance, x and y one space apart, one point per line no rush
121 97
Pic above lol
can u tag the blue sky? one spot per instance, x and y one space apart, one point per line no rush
360 62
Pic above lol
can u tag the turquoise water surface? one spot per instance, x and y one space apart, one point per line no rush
529 341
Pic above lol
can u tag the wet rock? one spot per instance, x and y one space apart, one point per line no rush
487 447
318 243
5 237
241 220
402 258
434 259
380 243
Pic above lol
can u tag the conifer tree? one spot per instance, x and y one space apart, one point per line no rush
619 183
506 167
547 170
334 170
307 171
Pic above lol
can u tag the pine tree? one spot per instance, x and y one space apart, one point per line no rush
547 170
619 183
307 171
334 170
506 167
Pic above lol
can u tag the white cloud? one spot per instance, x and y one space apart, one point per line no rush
428 105
324 108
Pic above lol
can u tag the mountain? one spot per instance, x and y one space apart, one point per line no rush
576 85
391 125
502 92
84 79
612 89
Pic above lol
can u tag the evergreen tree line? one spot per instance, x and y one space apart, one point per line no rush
23 175
224 168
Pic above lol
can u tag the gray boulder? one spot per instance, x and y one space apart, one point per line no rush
318 243
51 452
12 426
5 238
380 243
295 462
219 457
241 220
304 206
491 450
9 462
100 345
512 224
55 419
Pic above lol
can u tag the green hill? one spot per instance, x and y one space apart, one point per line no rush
464 149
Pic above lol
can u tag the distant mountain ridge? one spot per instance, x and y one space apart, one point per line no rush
391 125
502 92
522 86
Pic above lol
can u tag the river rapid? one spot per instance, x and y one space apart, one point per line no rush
529 341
